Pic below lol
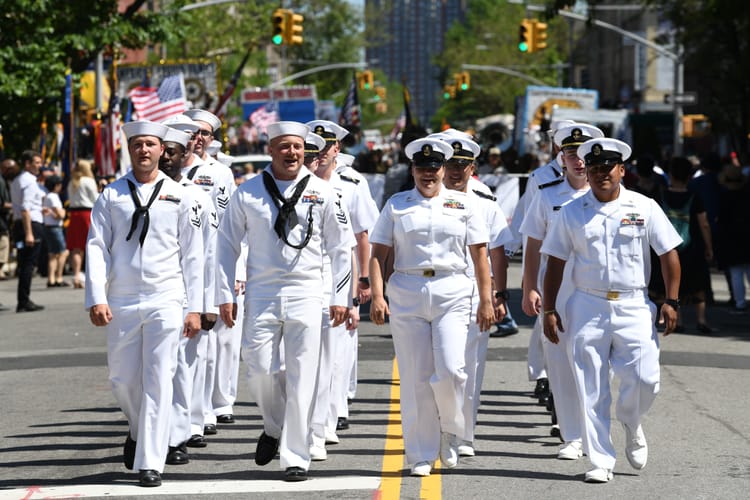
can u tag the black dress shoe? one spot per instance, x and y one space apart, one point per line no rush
225 419
177 455
266 449
209 429
28 307
128 453
342 424
149 478
295 474
542 386
196 441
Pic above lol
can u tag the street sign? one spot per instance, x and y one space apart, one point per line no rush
687 98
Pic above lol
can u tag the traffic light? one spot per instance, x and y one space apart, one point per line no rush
366 80
279 26
525 36
294 28
449 92
380 93
539 36
463 81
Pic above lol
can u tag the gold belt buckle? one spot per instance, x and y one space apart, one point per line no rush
428 273
613 295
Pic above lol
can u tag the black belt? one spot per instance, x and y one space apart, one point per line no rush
79 209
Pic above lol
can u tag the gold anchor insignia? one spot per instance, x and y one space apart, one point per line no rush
576 133
457 147
319 130
427 150
596 149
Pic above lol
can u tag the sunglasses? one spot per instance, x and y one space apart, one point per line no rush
204 133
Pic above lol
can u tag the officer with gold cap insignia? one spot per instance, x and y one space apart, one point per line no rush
430 232
144 259
608 322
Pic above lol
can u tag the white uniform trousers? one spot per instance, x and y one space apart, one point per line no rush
619 334
344 367
284 387
227 365
323 403
188 382
535 360
476 356
142 341
562 384
209 417
352 390
429 322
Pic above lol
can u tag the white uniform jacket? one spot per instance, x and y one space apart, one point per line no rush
430 233
610 241
171 257
275 269
362 208
209 224
215 178
494 218
365 204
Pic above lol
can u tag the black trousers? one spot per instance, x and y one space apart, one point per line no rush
27 258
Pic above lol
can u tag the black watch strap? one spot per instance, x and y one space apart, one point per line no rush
674 303
502 294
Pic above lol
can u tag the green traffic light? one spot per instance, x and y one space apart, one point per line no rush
446 95
523 47
277 39
464 86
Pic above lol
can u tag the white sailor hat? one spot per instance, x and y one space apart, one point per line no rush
313 144
575 134
178 136
557 125
144 127
213 148
428 152
277 129
465 150
181 122
202 115
344 160
604 151
225 159
328 130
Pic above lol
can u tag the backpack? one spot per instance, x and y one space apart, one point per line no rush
680 219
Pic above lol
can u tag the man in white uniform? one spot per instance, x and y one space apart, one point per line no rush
291 218
606 234
566 414
143 260
458 176
190 376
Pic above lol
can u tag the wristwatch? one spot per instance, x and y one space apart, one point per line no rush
674 303
355 302
502 294
365 281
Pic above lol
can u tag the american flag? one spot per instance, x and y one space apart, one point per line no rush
349 116
261 117
110 134
159 104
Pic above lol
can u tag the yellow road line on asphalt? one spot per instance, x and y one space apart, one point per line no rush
393 453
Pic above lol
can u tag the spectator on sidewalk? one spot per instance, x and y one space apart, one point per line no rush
82 193
54 215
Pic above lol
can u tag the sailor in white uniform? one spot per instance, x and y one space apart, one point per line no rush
606 234
144 259
430 232
546 205
458 176
291 218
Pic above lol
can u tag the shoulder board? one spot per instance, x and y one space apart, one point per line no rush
349 179
484 195
551 183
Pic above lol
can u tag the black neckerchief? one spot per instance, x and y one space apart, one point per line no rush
286 208
192 172
141 210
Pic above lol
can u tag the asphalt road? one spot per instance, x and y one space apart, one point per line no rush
62 433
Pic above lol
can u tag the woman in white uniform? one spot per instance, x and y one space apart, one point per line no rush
430 232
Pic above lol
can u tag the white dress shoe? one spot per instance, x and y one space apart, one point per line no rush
448 450
465 449
421 469
318 453
598 475
636 449
331 437
572 450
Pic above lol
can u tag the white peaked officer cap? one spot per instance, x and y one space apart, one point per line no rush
314 143
557 125
178 136
456 133
213 148
575 134
202 115
464 148
144 127
181 122
278 129
428 152
344 160
328 130
604 151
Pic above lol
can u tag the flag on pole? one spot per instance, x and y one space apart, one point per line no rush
110 133
407 111
219 110
349 116
159 104
67 148
264 115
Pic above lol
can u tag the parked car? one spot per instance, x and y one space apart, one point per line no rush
257 161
